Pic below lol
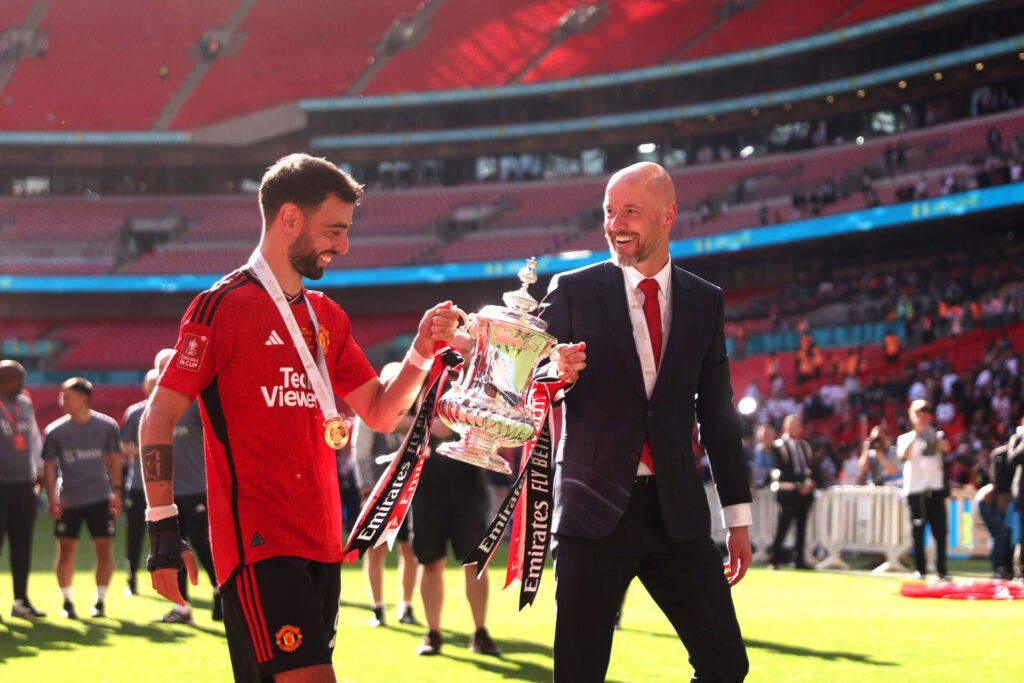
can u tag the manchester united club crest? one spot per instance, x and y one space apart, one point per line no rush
324 337
289 638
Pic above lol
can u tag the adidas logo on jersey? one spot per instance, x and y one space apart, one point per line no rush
274 339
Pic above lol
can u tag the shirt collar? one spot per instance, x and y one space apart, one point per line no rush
663 276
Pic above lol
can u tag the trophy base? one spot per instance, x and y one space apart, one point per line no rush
477 452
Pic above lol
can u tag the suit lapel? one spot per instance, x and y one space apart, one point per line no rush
612 294
679 344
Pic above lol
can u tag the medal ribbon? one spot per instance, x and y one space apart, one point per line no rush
530 513
316 370
388 503
17 414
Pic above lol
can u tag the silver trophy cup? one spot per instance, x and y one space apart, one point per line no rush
489 405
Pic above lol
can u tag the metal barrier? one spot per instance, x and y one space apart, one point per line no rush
864 519
765 512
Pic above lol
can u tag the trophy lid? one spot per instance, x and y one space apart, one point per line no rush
519 303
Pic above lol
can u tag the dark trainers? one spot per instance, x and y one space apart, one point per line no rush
408 618
97 609
131 589
25 610
176 617
378 617
68 610
217 613
431 644
482 644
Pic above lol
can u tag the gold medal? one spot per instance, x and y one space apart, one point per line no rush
336 433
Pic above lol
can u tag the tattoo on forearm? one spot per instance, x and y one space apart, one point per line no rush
158 462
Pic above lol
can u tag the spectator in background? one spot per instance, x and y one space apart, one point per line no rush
84 449
134 493
762 464
20 472
877 459
924 484
794 481
370 452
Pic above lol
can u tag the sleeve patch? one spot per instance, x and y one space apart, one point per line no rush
193 350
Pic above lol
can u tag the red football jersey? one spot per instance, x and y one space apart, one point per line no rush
272 480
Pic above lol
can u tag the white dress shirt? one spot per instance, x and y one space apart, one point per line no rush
732 515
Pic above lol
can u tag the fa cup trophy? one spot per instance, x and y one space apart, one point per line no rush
489 405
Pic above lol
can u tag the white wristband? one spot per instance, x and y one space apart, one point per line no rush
418 360
161 512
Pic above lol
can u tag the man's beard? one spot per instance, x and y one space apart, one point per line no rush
305 259
643 250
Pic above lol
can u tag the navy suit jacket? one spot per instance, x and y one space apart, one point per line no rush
607 413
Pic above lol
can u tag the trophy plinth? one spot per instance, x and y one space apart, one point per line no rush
489 405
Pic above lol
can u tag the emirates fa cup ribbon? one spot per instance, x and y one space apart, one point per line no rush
336 433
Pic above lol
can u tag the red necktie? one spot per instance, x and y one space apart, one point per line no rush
652 312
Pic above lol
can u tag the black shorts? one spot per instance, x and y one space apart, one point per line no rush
97 519
450 503
281 614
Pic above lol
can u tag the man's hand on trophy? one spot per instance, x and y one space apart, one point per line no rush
569 360
438 325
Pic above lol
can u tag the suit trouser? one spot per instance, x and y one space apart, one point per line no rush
194 521
685 580
930 507
792 507
17 521
135 516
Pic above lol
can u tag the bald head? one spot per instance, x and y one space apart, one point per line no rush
648 177
12 378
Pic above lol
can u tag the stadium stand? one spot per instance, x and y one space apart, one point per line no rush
121 44
471 44
767 22
872 9
598 50
116 344
290 51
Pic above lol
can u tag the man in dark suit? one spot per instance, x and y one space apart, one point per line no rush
794 484
629 501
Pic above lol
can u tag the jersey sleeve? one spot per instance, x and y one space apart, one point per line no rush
113 438
50 447
196 355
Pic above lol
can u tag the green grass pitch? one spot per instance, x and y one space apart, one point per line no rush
798 626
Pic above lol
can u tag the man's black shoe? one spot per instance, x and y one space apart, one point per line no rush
431 644
68 610
482 644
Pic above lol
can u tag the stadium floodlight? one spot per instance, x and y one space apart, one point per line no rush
747 405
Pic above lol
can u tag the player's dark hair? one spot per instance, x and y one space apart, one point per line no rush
305 181
79 384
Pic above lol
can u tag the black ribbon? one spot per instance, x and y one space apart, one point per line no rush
392 495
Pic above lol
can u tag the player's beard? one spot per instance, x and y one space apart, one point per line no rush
304 257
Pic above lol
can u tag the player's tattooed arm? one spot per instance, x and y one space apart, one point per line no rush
158 462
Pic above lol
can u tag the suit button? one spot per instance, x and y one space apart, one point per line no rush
650 413
634 457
